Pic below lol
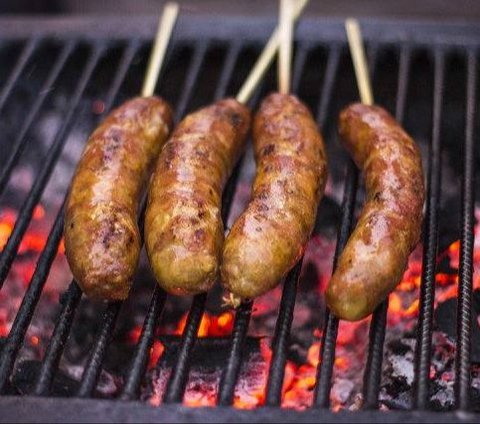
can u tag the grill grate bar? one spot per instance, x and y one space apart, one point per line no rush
329 337
195 66
464 308
227 70
73 295
27 308
427 289
140 357
58 340
373 368
283 325
231 371
21 139
329 82
281 336
22 60
301 55
179 377
139 361
93 367
39 277
25 215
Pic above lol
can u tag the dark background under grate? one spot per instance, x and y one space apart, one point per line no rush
425 74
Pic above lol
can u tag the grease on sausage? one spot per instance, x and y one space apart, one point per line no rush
389 227
183 226
102 239
270 236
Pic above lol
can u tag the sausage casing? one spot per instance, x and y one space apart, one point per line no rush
183 225
389 227
102 239
270 236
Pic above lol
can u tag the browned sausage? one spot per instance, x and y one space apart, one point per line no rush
389 226
270 236
102 239
183 226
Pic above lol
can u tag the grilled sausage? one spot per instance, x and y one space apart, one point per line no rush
183 225
270 236
102 239
389 226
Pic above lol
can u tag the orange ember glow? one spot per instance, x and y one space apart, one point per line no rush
300 374
210 325
33 240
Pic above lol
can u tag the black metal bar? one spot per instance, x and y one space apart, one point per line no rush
21 138
39 277
178 380
283 325
192 77
179 377
125 61
139 361
22 60
58 340
403 78
25 313
373 368
298 66
230 373
328 83
427 289
73 295
329 337
93 367
465 273
227 71
25 214
140 358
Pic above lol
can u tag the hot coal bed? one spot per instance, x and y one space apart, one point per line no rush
418 359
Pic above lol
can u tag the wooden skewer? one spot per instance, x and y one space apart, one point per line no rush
285 52
266 58
162 38
357 51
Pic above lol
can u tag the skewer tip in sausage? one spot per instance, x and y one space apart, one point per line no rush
183 225
389 227
270 236
102 239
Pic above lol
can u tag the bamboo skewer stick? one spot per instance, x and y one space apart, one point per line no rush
157 56
285 52
266 58
355 43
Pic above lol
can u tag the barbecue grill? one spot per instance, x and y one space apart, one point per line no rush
85 59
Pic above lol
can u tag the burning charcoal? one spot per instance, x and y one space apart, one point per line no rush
446 320
26 375
341 390
399 374
108 384
207 364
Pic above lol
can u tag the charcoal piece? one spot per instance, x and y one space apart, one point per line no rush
209 353
446 321
26 375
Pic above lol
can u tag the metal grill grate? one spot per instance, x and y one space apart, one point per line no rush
406 40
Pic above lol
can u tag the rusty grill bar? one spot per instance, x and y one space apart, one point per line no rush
234 40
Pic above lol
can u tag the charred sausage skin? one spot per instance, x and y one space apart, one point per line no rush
271 234
183 227
389 227
102 239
